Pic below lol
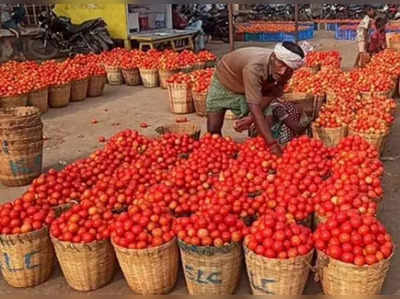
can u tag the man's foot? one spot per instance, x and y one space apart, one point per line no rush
243 123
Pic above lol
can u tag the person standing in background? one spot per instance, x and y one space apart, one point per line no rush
363 37
377 41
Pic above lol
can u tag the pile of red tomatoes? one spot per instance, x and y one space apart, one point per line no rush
143 193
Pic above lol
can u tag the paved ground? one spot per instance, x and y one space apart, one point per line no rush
72 135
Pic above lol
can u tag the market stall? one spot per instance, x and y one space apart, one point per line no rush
171 37
122 19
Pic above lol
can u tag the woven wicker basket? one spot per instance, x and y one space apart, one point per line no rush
375 139
14 101
114 75
151 271
200 103
20 162
79 90
131 77
150 78
86 267
96 85
230 115
164 76
211 270
21 134
329 136
20 117
180 98
30 258
338 278
181 128
39 99
286 277
60 95
309 103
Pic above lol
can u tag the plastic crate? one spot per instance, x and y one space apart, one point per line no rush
351 34
346 34
288 37
331 26
252 37
271 36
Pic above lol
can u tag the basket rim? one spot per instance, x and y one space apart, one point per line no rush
208 250
343 126
292 259
77 246
18 237
368 134
18 96
349 265
61 85
144 250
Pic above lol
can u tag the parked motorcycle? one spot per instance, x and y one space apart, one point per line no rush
59 36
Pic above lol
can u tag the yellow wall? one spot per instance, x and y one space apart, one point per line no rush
113 14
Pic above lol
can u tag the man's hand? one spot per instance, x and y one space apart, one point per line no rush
243 123
260 122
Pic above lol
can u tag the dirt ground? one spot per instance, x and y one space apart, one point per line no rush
71 135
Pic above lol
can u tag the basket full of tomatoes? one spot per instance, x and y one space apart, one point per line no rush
25 243
210 244
281 251
81 239
180 93
146 249
354 253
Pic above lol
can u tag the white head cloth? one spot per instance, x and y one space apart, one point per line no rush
291 59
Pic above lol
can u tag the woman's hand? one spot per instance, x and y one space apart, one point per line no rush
276 150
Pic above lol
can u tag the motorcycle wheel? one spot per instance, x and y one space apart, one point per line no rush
37 50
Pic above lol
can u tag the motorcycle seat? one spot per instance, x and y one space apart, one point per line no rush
75 28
